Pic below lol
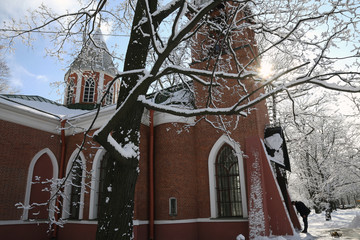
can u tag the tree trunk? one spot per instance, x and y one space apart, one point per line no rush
116 217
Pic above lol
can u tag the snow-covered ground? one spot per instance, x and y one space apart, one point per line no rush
345 223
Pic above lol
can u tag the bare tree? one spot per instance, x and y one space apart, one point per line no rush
221 36
4 75
323 147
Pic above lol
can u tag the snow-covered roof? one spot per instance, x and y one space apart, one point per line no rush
39 105
46 115
180 95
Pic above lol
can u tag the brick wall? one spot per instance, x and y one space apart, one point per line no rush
19 144
175 171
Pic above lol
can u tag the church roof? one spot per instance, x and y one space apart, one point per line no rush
95 55
39 105
43 114
30 98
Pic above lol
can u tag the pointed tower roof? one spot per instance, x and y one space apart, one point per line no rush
94 55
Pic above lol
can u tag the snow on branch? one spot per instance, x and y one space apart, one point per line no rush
207 73
130 150
188 112
337 87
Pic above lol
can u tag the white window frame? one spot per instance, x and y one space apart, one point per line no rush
67 191
95 178
55 171
171 213
109 99
91 89
224 139
70 92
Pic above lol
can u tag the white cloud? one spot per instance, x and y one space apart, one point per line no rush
18 8
22 71
16 82
42 78
19 74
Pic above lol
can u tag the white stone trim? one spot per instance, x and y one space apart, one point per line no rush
95 176
162 222
135 222
21 222
162 118
224 139
100 87
66 80
67 191
30 176
81 123
78 86
26 116
277 187
199 220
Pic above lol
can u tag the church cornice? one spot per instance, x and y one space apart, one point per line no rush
86 70
36 118
30 117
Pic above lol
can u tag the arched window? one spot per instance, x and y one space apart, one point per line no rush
70 92
75 192
228 184
74 189
43 166
102 185
89 90
97 183
109 96
227 180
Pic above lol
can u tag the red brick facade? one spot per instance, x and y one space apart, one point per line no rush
184 159
19 144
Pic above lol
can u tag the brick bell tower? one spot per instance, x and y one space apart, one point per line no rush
215 48
90 74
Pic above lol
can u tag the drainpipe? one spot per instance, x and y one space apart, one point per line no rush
61 170
151 178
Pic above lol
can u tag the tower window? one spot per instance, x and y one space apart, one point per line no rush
228 184
109 96
172 206
70 92
89 90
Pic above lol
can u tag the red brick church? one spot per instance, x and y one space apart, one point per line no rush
205 185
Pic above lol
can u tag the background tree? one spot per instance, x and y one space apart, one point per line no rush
305 32
323 145
4 75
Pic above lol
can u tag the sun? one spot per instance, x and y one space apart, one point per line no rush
266 70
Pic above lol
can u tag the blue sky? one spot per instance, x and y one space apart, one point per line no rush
32 72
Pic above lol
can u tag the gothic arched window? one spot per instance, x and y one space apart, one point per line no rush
89 90
73 206
109 96
70 92
228 188
102 185
75 192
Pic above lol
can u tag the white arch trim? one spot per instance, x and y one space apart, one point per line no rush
55 171
224 139
95 176
66 202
